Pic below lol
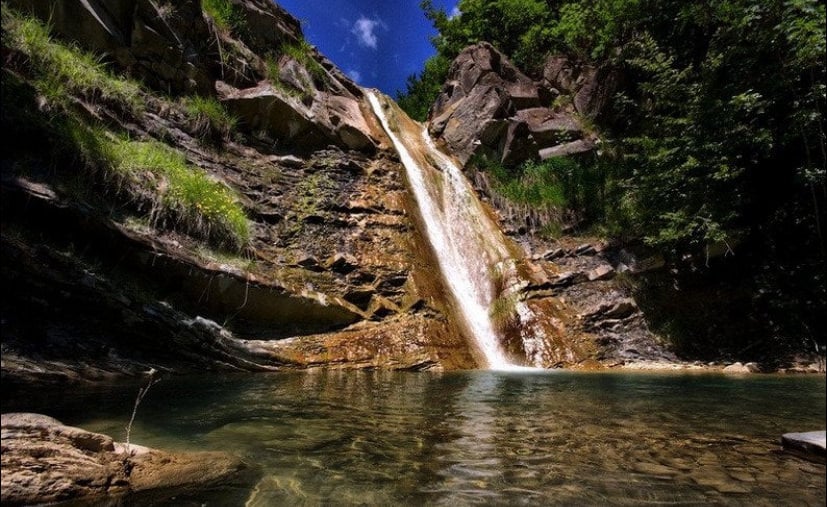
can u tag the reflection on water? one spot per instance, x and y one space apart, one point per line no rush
483 437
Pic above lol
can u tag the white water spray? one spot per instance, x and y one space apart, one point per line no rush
467 243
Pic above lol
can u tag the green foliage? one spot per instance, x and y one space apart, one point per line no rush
596 28
538 184
302 52
580 185
518 28
153 176
210 120
715 133
62 70
180 195
718 131
158 180
423 88
226 15
503 312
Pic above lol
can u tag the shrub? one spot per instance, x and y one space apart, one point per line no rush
224 14
537 184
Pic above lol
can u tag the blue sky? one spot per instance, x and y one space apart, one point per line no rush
378 43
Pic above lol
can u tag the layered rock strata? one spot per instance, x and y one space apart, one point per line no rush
335 272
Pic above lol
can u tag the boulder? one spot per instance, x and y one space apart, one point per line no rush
553 253
291 121
399 342
285 118
589 88
309 262
612 310
45 461
267 25
342 116
342 263
489 107
477 119
739 367
567 149
381 307
569 278
584 249
811 445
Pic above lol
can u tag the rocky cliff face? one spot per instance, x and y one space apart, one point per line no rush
488 107
334 272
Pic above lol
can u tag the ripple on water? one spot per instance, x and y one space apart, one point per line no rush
491 438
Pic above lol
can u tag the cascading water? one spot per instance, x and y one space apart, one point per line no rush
469 246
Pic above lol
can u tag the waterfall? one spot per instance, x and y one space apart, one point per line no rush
470 248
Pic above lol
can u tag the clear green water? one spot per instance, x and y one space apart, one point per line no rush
376 438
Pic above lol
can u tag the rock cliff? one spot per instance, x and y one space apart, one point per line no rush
489 107
307 251
334 271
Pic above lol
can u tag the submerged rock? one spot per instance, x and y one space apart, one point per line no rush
46 461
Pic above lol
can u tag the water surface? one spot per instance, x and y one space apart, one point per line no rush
481 437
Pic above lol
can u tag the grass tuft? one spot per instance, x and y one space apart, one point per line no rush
61 70
181 196
172 193
537 184
503 312
225 14
155 178
302 52
211 122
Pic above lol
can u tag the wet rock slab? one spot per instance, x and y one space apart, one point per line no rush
811 445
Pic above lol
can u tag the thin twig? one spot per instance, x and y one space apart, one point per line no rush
141 393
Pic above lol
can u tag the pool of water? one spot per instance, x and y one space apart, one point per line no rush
461 438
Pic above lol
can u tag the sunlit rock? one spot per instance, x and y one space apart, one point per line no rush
45 461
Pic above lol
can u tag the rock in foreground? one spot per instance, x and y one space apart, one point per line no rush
45 461
811 445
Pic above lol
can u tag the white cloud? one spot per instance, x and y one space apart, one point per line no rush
365 31
355 75
454 12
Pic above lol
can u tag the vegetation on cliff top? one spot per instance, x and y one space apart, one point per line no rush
715 141
722 110
151 178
